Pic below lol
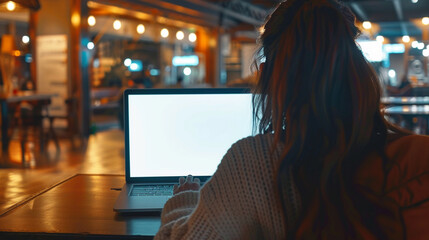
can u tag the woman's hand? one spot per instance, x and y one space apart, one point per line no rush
188 184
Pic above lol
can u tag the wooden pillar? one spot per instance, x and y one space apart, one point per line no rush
65 21
80 58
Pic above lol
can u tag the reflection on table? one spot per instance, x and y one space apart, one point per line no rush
80 207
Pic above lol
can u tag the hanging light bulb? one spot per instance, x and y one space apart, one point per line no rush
380 39
367 25
140 29
117 24
192 37
180 35
10 5
91 21
25 39
406 39
164 33
425 21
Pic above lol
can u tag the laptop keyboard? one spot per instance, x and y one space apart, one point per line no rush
152 190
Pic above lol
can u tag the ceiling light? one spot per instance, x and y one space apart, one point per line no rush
187 71
392 73
25 39
180 35
367 25
140 28
192 37
10 6
90 45
164 33
117 24
91 21
127 62
425 20
380 39
414 1
406 38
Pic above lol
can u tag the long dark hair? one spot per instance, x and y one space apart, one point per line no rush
321 99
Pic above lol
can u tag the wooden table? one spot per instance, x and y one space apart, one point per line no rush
43 98
81 207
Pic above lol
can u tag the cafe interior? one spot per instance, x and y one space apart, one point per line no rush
65 64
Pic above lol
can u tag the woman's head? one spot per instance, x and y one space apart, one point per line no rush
315 82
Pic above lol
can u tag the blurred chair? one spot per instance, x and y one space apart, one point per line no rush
28 119
71 117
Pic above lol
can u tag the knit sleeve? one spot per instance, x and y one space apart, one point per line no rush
218 211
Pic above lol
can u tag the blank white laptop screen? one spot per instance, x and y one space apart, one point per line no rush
180 134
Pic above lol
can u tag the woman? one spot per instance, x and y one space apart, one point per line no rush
326 164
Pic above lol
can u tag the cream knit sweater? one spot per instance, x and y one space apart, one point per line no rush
238 202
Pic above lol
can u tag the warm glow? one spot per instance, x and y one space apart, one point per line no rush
10 6
17 53
180 35
164 33
140 29
406 39
75 19
91 21
25 39
367 25
192 37
425 20
380 39
117 24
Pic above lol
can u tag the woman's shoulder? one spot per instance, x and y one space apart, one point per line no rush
409 145
257 141
409 175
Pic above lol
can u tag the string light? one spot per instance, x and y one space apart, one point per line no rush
380 39
90 45
406 39
392 73
367 25
192 37
180 35
25 39
187 71
425 20
117 24
140 29
91 21
164 33
10 6
414 44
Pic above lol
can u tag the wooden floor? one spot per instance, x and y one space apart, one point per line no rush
101 154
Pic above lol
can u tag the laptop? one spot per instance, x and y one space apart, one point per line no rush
171 133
